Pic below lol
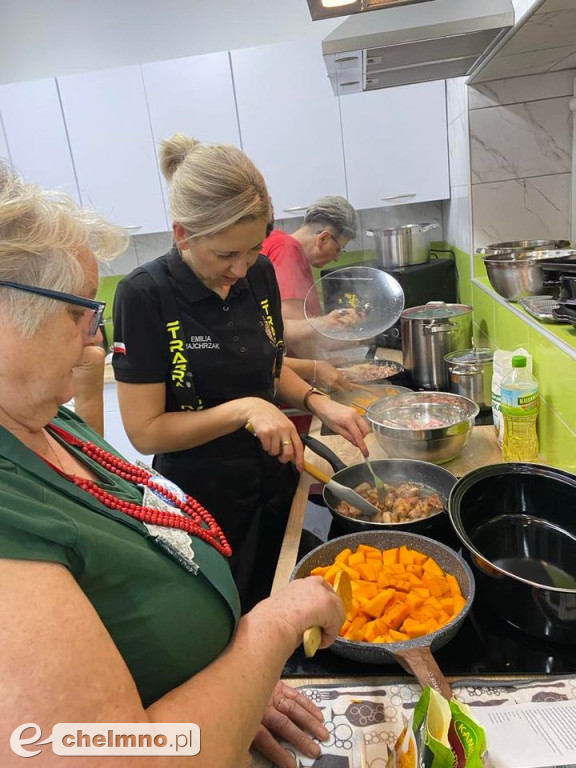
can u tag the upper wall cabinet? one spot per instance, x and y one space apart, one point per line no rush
36 134
396 145
112 146
290 122
194 96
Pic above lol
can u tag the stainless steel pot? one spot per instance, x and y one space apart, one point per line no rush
470 374
402 246
429 333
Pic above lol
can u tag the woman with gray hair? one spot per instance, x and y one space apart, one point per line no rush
329 225
117 601
199 346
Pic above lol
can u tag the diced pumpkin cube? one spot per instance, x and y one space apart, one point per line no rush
397 637
345 627
423 592
350 571
369 551
402 585
390 556
398 569
358 622
367 571
459 603
353 610
342 557
376 606
354 635
330 574
413 628
384 579
320 570
405 555
453 584
414 601
395 615
415 569
443 618
355 559
447 604
365 589
419 557
432 567
370 632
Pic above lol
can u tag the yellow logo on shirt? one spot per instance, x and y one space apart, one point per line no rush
268 321
178 361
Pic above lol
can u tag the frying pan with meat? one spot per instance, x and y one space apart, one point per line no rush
392 471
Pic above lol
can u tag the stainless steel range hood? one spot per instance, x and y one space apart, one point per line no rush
414 43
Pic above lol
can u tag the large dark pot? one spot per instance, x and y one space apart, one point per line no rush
518 524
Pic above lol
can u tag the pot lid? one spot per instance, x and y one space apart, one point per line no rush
423 227
436 310
470 356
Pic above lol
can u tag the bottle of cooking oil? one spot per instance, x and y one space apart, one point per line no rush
520 404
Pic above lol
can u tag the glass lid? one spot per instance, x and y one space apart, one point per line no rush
436 310
354 303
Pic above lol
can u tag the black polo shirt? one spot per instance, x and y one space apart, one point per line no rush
231 353
229 342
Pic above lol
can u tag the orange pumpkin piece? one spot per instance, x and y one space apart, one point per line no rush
350 571
413 628
367 571
320 570
368 550
370 631
459 603
395 614
355 559
453 584
330 574
376 606
364 589
342 557
405 555
432 567
397 637
390 556
447 604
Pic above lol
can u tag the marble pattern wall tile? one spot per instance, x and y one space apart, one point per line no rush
545 31
567 63
522 209
521 140
521 89
459 151
527 63
458 219
456 98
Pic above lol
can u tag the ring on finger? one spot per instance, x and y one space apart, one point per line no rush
286 442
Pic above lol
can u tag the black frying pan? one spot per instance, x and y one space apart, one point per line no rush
391 471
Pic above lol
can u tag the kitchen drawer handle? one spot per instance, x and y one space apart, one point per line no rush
399 197
295 208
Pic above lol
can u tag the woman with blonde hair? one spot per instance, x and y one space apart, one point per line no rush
117 603
198 357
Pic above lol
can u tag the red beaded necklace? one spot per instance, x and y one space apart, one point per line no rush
194 513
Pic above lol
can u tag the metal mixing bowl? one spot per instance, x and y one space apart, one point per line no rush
517 275
422 439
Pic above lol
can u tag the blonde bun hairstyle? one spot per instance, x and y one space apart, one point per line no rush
212 186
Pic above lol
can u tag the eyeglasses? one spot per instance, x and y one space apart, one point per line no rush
341 248
97 307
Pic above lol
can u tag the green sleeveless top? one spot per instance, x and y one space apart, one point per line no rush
166 622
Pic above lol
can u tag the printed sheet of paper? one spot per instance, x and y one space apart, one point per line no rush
534 735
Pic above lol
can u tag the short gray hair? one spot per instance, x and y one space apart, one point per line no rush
333 211
41 233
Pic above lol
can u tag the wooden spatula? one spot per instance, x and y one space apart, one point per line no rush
313 635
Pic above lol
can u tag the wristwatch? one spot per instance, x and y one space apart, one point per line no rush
308 395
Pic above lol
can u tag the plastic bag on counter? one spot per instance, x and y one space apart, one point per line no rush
501 367
439 734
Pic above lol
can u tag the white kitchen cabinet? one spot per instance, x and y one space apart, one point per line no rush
36 134
396 145
290 122
195 96
109 129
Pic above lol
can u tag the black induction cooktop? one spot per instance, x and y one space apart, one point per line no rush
484 645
